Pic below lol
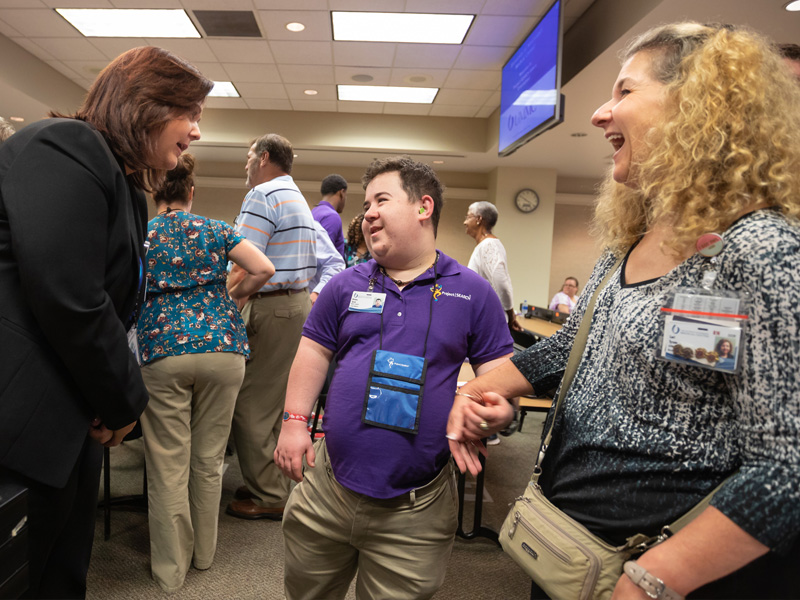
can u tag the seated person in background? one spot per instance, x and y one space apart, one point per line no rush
565 300
193 345
355 249
378 496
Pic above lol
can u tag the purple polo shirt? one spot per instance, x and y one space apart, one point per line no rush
468 322
326 215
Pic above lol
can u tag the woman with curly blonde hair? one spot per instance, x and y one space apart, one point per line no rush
703 120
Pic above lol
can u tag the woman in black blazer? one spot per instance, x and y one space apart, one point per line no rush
72 229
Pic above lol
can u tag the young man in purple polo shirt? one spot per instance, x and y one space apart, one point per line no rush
379 494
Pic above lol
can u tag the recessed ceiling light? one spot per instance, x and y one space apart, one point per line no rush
362 78
793 6
295 27
112 22
411 28
17 119
310 92
387 93
578 134
224 89
438 162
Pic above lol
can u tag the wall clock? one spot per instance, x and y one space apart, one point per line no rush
526 200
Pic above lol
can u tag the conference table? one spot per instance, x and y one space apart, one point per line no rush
539 326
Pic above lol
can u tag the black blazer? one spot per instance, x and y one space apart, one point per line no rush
72 231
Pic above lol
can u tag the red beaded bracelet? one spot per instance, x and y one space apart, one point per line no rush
287 416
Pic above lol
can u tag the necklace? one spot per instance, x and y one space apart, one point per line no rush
166 212
400 283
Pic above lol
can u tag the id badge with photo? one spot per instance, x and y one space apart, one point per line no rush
704 328
394 391
367 302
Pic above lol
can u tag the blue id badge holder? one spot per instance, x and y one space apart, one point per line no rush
705 326
394 391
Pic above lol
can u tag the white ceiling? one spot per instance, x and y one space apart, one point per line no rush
272 72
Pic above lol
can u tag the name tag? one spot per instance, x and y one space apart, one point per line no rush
367 302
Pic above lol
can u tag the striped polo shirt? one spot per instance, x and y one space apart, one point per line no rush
276 218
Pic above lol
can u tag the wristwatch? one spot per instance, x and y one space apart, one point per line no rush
652 585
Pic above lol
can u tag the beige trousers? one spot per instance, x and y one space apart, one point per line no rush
274 326
400 547
186 426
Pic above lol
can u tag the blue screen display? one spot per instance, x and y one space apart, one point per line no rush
530 86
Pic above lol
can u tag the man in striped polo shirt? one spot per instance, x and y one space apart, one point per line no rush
276 218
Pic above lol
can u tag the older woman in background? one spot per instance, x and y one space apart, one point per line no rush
489 257
193 345
72 227
565 300
703 121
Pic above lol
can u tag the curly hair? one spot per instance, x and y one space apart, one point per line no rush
354 233
178 183
727 143
418 180
6 130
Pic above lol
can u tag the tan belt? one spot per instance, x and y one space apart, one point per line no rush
281 292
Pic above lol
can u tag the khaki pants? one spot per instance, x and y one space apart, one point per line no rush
274 326
186 426
400 547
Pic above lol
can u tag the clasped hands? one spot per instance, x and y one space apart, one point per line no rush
475 416
108 437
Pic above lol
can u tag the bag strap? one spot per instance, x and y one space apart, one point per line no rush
575 355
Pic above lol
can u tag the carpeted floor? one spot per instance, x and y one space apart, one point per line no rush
249 560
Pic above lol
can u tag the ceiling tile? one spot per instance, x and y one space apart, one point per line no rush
261 90
241 51
302 53
146 3
217 5
486 31
524 8
325 92
409 77
321 106
191 50
483 57
113 47
452 7
485 112
369 5
71 48
8 31
380 76
34 48
462 97
213 70
22 4
86 69
453 111
309 74
494 100
368 54
39 22
317 22
435 56
253 72
268 104
79 3
360 107
225 103
473 80
295 4
64 69
401 108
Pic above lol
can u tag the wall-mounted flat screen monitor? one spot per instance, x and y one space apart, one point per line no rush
530 100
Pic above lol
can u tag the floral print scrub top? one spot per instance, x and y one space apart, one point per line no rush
188 309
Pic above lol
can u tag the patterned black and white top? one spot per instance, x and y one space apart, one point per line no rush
640 440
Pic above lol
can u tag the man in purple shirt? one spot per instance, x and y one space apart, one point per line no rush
326 213
379 494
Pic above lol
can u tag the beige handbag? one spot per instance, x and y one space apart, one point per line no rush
564 558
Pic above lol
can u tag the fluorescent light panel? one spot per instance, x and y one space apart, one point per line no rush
111 22
387 93
412 28
224 89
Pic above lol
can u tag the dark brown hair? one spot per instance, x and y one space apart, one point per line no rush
134 98
790 51
418 180
178 182
280 150
355 235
